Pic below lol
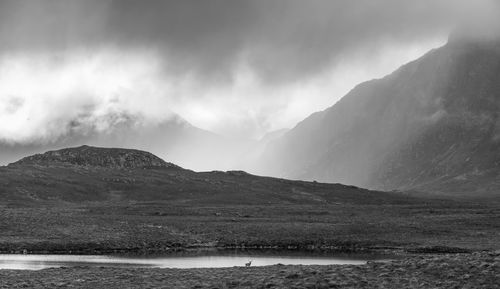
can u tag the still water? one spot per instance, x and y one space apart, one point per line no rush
37 262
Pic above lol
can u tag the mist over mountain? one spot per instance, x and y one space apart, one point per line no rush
217 86
174 139
249 143
431 125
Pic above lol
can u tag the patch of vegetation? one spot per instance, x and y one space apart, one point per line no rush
54 206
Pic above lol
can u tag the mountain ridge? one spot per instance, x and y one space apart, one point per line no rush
388 133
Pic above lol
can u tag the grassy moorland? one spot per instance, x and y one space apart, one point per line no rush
161 226
65 207
157 226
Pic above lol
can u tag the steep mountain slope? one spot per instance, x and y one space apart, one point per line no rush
431 125
84 174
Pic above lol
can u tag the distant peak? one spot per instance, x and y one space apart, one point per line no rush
98 157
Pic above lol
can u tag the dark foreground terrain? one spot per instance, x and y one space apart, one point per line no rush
479 270
92 200
162 226
96 200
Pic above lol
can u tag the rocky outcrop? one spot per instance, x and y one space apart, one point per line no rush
115 158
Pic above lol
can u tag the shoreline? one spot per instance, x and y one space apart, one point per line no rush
380 250
475 270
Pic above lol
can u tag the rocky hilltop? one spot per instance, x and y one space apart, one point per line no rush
115 158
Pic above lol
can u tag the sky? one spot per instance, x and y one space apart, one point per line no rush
239 68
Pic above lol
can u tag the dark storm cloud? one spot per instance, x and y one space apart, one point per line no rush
279 39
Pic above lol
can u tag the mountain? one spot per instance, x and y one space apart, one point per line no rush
88 174
433 125
175 139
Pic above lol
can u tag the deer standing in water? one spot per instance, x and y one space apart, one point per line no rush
248 264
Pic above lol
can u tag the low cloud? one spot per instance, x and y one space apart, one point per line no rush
44 97
240 68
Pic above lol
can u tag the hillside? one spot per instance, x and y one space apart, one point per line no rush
90 173
432 125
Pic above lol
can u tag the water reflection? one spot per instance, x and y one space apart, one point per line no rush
37 262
